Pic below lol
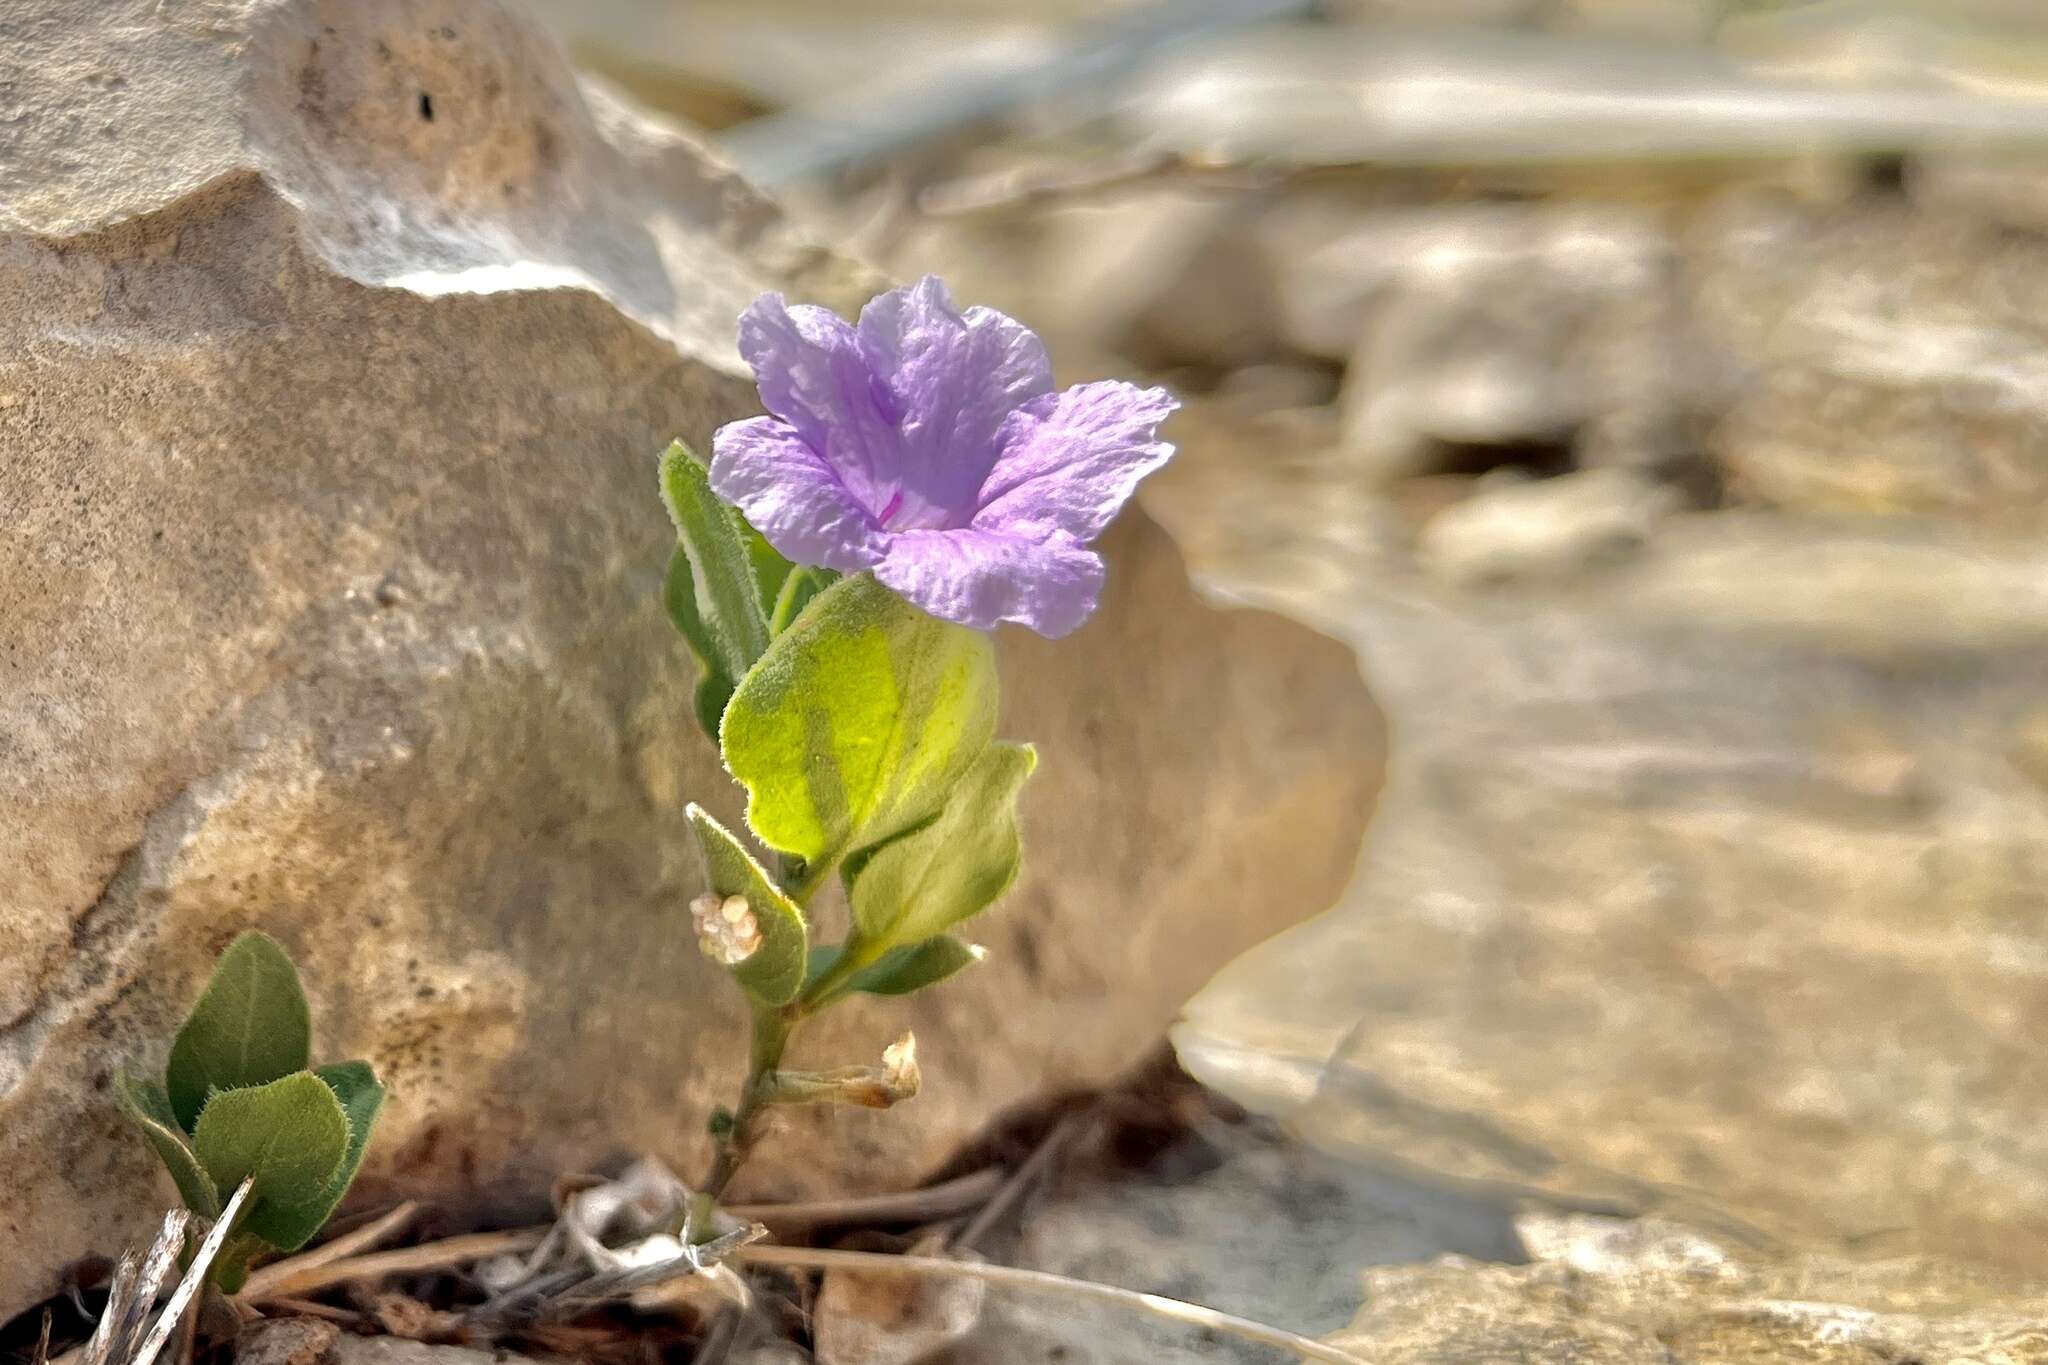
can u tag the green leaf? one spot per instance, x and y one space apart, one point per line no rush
231 1267
730 623
714 684
771 570
292 1135
149 1109
900 970
355 1085
250 1027
775 972
857 721
797 591
952 868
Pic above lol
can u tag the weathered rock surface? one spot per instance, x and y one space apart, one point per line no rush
1709 880
1893 361
1231 1218
1602 1291
336 340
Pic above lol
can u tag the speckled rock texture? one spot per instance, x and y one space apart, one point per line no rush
336 342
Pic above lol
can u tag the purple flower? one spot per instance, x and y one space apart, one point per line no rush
927 444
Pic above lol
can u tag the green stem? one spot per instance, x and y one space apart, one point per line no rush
772 1028
857 958
772 1031
806 886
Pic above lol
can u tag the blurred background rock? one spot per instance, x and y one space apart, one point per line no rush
1654 392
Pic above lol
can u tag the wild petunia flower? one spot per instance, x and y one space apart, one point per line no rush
928 444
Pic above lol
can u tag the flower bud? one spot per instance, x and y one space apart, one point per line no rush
726 928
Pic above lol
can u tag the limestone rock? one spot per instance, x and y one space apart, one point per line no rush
1170 277
1511 528
1603 1291
1717 882
337 338
1893 361
1501 327
1232 1218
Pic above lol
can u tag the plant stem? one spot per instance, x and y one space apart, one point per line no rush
772 1028
827 988
812 877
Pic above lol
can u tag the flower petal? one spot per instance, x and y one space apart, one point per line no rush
766 468
978 578
1071 460
952 379
813 374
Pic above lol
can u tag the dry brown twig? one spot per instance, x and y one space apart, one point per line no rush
1027 1173
1175 1310
945 1200
138 1279
341 1261
447 1254
261 1284
455 1252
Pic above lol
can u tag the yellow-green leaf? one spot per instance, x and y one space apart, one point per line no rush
916 887
857 722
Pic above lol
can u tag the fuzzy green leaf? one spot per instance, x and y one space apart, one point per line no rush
916 887
231 1267
771 570
797 591
900 970
857 721
714 684
250 1027
775 972
292 1136
724 619
149 1109
355 1085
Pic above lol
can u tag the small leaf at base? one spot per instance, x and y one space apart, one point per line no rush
250 1027
292 1136
355 1085
149 1109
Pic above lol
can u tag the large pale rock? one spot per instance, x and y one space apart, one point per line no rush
1710 880
1600 1291
1893 361
1228 1217
336 341
1502 327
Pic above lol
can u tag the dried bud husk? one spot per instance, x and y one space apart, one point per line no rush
871 1087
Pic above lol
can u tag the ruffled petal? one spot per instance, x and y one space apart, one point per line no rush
952 379
813 374
1071 460
978 578
792 496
